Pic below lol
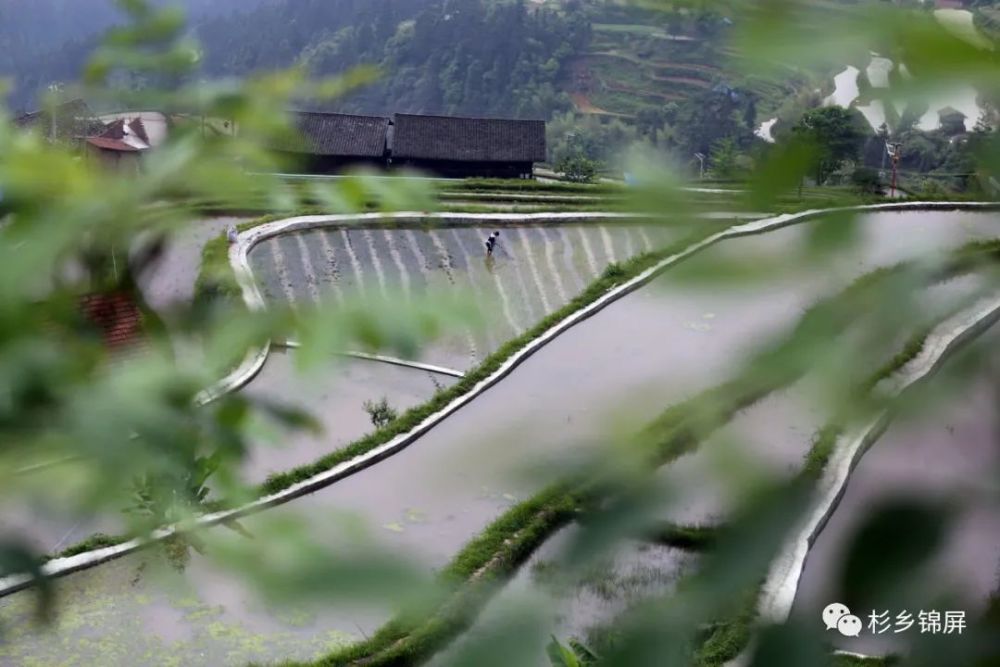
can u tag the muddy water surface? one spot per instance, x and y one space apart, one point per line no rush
949 452
634 572
642 353
533 271
335 395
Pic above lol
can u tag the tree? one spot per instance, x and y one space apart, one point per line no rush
650 121
836 135
723 159
715 114
866 181
577 168
150 431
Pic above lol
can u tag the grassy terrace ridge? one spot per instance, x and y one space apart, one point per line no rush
216 279
614 275
507 543
732 635
531 196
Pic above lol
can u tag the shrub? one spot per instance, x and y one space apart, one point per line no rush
382 414
866 181
577 168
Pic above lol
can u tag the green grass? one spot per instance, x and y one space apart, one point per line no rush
95 541
733 634
518 185
472 577
678 430
629 29
688 538
611 278
853 661
729 636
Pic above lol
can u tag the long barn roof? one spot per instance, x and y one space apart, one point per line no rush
341 134
468 139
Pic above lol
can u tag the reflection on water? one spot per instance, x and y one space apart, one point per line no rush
654 347
949 452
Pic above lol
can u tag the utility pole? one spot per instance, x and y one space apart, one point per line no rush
701 165
895 152
55 92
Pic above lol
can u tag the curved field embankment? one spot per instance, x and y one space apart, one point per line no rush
435 532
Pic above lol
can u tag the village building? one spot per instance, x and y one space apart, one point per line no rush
455 147
120 145
445 146
333 142
155 125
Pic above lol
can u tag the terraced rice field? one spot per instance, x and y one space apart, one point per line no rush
429 500
535 270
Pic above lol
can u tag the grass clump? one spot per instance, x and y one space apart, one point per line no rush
381 413
686 537
469 581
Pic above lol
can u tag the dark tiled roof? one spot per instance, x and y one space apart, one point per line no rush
341 134
468 139
116 317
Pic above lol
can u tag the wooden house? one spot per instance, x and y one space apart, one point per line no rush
333 142
455 147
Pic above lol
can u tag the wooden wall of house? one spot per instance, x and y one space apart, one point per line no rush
456 169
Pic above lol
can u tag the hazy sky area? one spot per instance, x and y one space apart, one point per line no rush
34 34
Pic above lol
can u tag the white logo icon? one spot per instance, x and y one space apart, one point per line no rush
833 613
849 625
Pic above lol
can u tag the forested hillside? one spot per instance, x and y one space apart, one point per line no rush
607 75
455 56
46 41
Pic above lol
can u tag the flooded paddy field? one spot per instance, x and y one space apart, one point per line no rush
139 610
614 371
634 572
768 442
946 453
335 395
535 270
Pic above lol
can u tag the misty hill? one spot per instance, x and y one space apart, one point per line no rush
43 41
494 57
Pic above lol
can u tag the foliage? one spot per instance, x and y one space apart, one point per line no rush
678 430
721 113
723 159
577 168
381 413
574 655
866 181
108 420
837 136
471 56
104 428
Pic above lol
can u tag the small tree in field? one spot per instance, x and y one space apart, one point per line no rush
577 168
723 158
